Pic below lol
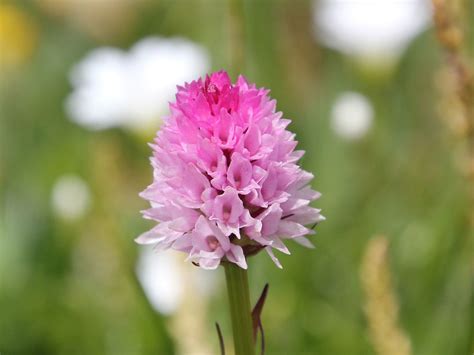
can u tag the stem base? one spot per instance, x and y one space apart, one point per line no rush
239 301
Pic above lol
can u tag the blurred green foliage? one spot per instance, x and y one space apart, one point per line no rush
70 288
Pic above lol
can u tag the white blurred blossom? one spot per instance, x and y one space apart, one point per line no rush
70 197
132 89
371 29
351 115
166 279
161 280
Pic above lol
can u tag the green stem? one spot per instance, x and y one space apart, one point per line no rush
239 300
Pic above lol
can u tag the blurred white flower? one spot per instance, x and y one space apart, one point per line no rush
161 279
70 197
203 281
132 89
351 115
372 29
166 280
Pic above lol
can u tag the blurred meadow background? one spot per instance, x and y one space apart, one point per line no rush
83 84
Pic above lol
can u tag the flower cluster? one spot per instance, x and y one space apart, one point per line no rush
226 180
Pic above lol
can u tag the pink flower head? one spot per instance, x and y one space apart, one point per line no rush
226 179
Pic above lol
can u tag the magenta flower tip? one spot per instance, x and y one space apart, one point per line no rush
226 179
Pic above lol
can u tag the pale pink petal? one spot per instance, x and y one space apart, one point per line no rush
236 256
304 242
275 260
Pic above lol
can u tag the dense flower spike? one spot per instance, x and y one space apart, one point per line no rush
226 180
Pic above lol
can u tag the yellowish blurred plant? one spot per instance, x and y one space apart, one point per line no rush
457 99
189 324
101 19
18 36
457 79
381 304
